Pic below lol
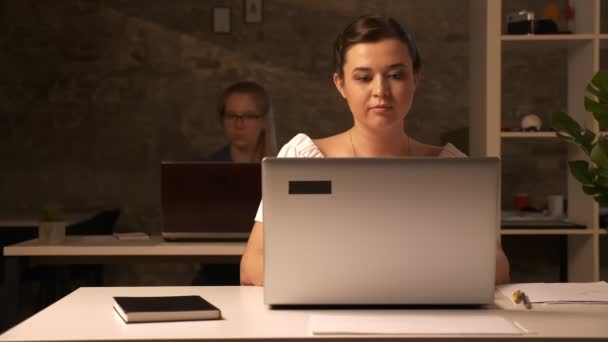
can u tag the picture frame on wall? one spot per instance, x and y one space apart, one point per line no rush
221 20
253 10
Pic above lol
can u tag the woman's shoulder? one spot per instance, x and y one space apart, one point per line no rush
300 146
446 151
451 151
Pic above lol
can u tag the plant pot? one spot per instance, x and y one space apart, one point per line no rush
51 232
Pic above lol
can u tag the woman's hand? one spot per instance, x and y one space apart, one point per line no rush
502 266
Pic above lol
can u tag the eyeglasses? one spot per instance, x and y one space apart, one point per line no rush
244 118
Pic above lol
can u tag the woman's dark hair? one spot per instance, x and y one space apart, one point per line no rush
369 29
258 93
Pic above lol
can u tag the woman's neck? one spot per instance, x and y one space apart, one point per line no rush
366 143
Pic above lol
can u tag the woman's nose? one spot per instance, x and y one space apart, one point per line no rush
380 87
239 122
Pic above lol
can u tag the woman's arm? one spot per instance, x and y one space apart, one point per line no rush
252 263
502 266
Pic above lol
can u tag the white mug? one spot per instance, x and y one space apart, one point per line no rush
555 205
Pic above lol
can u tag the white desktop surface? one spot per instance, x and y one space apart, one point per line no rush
87 315
108 245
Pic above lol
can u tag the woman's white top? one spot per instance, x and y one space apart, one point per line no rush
301 146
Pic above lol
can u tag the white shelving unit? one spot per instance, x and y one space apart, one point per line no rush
487 42
527 135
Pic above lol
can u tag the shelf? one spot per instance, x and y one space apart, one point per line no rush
577 57
519 135
545 231
550 37
549 41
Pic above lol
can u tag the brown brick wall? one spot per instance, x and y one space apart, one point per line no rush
94 94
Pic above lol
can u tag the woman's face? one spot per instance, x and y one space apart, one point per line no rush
378 83
242 120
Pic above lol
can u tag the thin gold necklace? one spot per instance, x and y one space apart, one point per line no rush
352 145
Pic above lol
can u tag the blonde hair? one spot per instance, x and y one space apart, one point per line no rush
267 144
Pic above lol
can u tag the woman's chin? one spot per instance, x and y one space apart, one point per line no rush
242 144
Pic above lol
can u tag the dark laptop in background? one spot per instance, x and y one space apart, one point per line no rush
209 200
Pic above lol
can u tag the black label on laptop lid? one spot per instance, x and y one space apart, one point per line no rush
310 187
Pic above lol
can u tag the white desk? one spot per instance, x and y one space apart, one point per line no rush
87 314
107 250
109 246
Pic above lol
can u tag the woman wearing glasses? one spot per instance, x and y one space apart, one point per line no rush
245 111
246 114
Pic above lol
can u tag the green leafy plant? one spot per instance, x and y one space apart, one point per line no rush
51 213
591 173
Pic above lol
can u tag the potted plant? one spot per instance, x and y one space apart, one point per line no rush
593 172
51 228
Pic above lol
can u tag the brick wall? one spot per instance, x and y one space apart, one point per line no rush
94 94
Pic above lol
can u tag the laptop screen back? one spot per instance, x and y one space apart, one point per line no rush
380 231
209 199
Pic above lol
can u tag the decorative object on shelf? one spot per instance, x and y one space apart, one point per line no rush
551 11
555 205
531 122
521 200
221 20
253 11
548 23
591 173
568 13
521 22
545 26
51 228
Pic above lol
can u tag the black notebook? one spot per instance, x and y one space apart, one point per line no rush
158 309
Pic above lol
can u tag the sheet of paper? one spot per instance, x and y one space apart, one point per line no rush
452 324
560 292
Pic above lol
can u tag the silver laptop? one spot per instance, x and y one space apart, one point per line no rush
380 231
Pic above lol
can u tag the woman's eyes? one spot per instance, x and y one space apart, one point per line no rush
363 78
394 76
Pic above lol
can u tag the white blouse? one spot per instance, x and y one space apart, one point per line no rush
301 146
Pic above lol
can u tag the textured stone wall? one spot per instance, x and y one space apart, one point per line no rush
94 94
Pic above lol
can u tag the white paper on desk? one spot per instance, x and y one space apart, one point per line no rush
560 293
413 325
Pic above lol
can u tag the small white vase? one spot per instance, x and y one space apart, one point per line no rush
51 232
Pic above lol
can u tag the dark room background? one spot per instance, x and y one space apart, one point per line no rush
94 94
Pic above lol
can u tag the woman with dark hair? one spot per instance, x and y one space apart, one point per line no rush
377 70
245 110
